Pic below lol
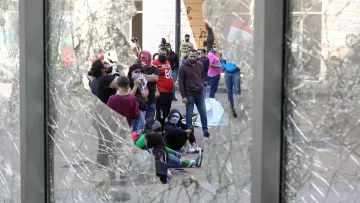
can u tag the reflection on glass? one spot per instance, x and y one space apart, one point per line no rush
321 131
232 25
92 155
9 101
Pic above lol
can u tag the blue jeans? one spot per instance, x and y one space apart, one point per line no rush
174 162
232 81
214 83
175 77
150 110
199 101
204 92
138 124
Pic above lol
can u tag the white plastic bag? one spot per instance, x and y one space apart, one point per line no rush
215 113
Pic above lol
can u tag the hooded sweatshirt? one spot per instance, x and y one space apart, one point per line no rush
191 78
175 133
149 70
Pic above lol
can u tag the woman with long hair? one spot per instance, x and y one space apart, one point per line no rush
138 85
155 145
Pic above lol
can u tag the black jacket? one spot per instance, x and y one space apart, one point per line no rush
175 136
174 60
178 128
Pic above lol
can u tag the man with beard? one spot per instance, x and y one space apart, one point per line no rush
191 85
165 86
103 85
184 48
174 63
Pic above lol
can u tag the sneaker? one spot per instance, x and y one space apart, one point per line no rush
206 134
176 83
196 147
190 149
174 99
234 112
199 159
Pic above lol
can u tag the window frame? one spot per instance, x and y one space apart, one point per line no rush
269 43
33 102
267 133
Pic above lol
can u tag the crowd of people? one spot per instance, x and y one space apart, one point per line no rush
144 97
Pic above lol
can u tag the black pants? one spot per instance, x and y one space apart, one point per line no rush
176 141
163 107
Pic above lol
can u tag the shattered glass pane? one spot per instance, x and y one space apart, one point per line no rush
9 102
322 102
85 132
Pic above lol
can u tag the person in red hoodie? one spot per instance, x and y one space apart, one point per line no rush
165 86
152 76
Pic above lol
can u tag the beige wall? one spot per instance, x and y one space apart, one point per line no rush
195 15
340 20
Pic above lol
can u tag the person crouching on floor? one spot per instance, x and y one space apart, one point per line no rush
177 134
174 157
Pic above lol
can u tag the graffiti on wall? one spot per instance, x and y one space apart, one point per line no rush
203 34
349 24
351 40
325 44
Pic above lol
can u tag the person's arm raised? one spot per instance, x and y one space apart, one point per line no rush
113 84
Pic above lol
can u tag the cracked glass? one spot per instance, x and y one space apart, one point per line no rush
321 156
93 156
9 101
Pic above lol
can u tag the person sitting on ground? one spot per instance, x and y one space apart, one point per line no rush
177 134
155 146
123 102
175 161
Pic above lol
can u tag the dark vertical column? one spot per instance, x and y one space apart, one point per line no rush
32 101
177 26
210 38
269 41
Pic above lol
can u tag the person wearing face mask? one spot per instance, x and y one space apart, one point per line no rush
191 85
215 69
139 89
177 134
204 60
174 62
103 85
152 76
184 48
165 86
